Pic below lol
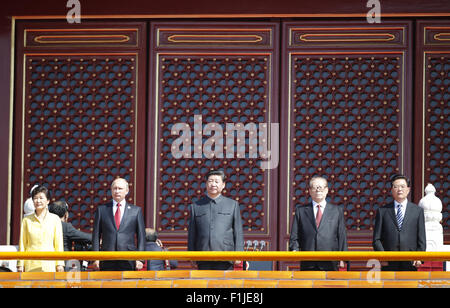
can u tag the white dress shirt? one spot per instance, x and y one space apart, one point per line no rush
323 204
403 205
122 208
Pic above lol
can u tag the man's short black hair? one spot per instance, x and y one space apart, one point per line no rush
151 235
58 207
216 172
396 177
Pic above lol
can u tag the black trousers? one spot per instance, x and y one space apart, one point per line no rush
399 266
319 265
215 265
117 265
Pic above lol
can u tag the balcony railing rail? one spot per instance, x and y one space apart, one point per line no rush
231 255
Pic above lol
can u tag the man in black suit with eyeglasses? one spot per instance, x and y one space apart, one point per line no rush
400 226
318 226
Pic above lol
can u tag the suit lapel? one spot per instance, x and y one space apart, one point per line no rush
326 213
110 215
310 215
391 211
408 213
125 214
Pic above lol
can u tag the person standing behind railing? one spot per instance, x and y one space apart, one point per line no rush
400 226
120 226
41 231
215 223
152 243
70 233
318 226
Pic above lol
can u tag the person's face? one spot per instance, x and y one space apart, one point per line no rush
214 185
318 190
119 190
40 201
400 190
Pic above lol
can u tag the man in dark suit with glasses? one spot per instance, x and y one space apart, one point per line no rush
318 226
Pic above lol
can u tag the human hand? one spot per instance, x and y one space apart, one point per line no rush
96 265
139 265
417 263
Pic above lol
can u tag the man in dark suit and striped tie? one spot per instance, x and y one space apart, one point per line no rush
400 226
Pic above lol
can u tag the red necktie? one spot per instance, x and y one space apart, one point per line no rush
318 216
117 216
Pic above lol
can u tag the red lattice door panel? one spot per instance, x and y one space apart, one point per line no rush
214 95
432 137
80 112
347 115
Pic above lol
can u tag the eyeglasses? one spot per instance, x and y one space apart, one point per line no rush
397 187
318 188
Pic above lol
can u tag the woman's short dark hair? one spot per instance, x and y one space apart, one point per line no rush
41 189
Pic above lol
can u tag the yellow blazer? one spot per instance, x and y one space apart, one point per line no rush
41 235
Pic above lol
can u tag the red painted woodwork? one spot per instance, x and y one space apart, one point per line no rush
342 92
79 114
432 159
227 73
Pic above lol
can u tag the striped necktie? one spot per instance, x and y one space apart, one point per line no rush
399 216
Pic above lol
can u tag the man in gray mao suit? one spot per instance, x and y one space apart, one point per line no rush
318 226
215 223
400 226
120 226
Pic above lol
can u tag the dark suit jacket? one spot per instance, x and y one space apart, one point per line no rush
131 226
215 227
330 236
157 265
387 236
71 234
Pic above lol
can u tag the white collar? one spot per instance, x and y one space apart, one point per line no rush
322 204
121 203
403 204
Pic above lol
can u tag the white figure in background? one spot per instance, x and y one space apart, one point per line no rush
432 207
28 206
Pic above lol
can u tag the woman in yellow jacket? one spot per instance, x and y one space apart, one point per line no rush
41 231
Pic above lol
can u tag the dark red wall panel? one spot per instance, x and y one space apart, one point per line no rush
206 77
79 114
432 107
